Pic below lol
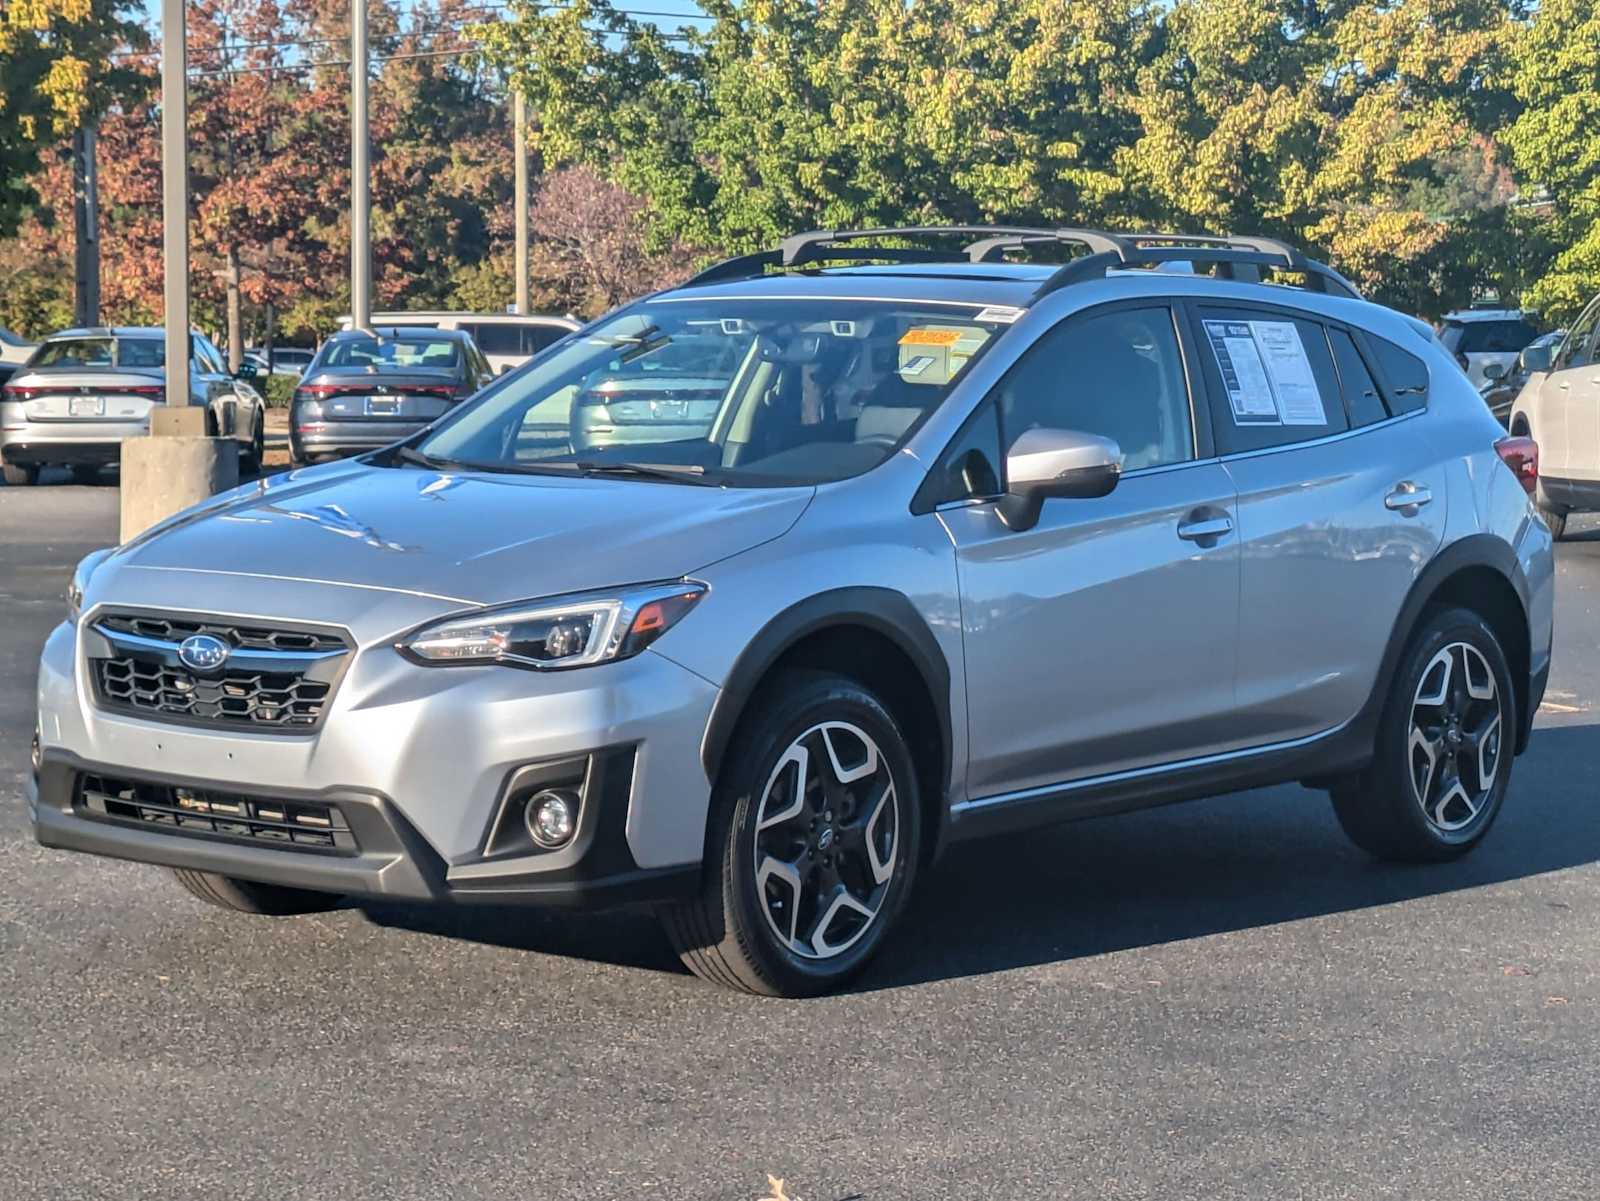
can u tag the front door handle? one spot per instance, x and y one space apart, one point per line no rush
1407 498
1206 530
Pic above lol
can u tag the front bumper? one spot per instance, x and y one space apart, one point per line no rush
425 765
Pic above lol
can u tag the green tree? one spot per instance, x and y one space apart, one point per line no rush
1555 146
58 69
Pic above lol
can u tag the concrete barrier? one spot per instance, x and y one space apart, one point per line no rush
162 474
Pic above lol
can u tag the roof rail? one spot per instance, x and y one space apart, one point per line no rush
1236 257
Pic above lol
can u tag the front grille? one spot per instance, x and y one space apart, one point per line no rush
169 629
209 813
258 698
274 679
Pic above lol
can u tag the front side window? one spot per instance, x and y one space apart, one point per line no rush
1118 374
741 392
1578 348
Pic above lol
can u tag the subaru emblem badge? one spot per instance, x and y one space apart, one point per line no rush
202 652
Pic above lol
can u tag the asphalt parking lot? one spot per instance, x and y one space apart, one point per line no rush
1214 1000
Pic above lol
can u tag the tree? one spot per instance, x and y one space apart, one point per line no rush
1555 147
58 70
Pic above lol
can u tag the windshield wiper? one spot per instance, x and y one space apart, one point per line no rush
677 473
407 454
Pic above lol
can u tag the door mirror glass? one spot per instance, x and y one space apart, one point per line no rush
1045 463
1493 370
1536 358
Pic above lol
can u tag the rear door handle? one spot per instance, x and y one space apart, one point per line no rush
1205 529
1407 498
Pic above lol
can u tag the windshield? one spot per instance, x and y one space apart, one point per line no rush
743 392
392 354
101 352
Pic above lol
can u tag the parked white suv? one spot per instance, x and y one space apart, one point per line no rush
508 340
1560 406
1486 342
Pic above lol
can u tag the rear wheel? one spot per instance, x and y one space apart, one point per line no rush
249 896
815 836
18 474
1444 750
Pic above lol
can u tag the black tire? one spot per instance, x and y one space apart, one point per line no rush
18 475
248 896
1380 809
251 456
727 935
1556 520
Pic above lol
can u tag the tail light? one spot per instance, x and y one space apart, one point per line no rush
1521 454
19 392
314 392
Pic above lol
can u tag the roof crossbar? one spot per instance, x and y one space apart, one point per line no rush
1235 257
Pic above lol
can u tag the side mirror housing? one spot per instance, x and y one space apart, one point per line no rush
1494 371
1046 464
1538 358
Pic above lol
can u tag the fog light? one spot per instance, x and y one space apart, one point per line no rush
552 816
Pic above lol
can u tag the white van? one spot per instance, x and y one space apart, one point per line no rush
507 339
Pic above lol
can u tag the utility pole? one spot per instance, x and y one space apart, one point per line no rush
175 197
86 229
520 121
231 272
360 137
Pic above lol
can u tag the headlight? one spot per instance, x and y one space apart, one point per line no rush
80 581
571 631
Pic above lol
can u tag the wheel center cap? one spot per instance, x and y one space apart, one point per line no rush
825 839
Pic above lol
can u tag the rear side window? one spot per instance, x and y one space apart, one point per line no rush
512 338
1272 378
1404 376
1362 399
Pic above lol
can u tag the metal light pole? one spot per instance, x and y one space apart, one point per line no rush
86 228
175 197
520 121
360 133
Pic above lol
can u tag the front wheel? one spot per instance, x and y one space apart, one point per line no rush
1443 756
251 457
816 831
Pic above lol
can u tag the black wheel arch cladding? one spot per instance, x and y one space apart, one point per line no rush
880 611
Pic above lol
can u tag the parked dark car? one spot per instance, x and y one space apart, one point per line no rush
366 390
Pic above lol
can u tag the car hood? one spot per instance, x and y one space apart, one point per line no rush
469 538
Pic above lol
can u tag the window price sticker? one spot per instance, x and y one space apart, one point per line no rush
1266 373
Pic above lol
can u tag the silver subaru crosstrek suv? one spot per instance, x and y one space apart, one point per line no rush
969 545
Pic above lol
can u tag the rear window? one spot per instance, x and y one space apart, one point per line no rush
393 354
101 352
1486 337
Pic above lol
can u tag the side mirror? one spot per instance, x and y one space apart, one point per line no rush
1538 358
1494 371
247 372
1056 463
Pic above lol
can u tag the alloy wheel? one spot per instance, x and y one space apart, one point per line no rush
1457 726
827 831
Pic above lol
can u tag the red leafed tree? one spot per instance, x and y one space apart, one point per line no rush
590 245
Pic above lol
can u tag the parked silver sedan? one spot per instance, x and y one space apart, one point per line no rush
84 390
